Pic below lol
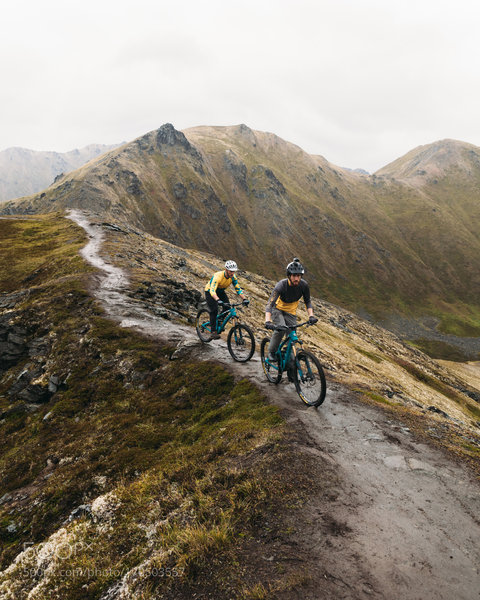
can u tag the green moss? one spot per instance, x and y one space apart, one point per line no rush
67 407
370 355
460 325
376 397
475 450
33 251
439 349
473 409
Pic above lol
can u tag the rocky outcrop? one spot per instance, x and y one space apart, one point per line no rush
19 345
168 298
266 185
13 344
237 168
179 191
167 135
130 181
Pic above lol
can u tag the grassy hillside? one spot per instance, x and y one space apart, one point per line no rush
125 468
116 460
402 241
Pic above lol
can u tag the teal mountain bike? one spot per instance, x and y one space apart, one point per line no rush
240 338
303 368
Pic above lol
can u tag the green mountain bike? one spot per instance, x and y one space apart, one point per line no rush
303 368
240 338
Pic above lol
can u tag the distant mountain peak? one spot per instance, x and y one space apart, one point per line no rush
433 161
24 172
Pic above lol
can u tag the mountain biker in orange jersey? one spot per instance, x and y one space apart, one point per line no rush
215 292
281 309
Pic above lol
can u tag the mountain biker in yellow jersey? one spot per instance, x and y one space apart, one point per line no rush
215 292
281 309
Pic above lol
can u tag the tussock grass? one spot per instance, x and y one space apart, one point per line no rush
36 250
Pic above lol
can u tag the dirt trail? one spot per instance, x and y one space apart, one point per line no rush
407 516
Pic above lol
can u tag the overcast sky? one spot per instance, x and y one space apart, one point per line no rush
360 82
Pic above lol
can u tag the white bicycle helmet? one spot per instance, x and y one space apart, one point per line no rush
231 265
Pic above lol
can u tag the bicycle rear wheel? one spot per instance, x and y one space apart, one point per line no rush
309 379
272 371
202 325
241 342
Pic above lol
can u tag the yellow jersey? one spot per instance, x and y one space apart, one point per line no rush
219 280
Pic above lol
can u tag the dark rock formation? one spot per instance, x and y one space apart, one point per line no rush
167 135
265 184
179 191
237 168
13 344
168 298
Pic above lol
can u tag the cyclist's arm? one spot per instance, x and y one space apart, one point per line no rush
271 303
213 287
308 302
237 287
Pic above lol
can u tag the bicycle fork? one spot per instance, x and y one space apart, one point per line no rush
238 333
304 375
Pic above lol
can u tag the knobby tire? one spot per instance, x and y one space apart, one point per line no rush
241 342
202 325
312 387
272 373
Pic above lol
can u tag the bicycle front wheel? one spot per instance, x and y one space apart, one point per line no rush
272 371
202 325
310 379
241 342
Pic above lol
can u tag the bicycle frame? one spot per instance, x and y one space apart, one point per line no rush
302 366
290 342
230 313
227 315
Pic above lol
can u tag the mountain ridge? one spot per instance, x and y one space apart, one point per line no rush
370 243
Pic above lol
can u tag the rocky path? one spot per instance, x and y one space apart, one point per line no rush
405 517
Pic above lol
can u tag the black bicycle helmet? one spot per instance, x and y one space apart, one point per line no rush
295 267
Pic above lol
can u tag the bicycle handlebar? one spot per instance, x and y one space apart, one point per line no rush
233 305
288 328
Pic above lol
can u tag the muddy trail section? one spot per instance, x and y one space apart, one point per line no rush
404 516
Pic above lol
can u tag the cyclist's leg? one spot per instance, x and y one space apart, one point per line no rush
213 309
222 294
224 298
278 317
290 321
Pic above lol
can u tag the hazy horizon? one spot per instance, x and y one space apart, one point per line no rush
358 82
